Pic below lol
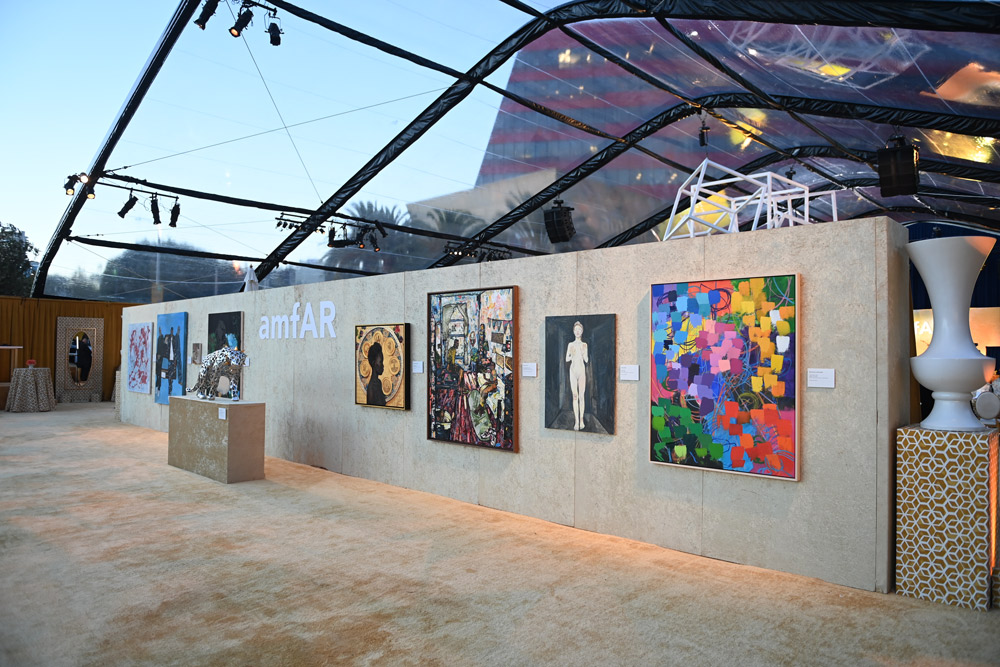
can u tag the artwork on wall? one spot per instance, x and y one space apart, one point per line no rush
723 375
225 330
580 373
472 354
140 357
382 365
169 367
196 354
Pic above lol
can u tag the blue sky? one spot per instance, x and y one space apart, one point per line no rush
66 69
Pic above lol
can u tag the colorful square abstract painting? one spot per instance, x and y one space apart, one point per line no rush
471 357
140 351
382 365
169 367
723 375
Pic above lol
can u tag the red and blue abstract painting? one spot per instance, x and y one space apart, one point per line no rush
723 375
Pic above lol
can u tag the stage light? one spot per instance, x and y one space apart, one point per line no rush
175 213
89 190
132 200
71 182
206 13
84 178
275 32
242 21
559 223
154 208
703 135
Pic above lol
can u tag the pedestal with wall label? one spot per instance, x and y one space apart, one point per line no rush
217 439
946 515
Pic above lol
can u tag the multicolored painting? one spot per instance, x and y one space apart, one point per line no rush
140 352
382 365
472 356
580 373
723 394
169 367
226 330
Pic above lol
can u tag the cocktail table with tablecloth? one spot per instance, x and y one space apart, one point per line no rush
31 390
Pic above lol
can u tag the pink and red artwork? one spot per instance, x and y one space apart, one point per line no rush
723 375
140 348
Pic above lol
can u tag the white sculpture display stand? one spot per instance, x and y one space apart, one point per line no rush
217 439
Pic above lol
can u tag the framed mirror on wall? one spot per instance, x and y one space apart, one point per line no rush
81 356
79 359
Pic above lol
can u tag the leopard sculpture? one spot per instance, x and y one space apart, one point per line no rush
225 362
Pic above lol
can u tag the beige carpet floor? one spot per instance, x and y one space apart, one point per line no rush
108 556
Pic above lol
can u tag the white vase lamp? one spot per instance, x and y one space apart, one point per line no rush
951 367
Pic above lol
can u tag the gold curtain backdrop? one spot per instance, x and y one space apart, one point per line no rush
31 323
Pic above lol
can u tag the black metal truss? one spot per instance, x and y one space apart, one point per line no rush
202 254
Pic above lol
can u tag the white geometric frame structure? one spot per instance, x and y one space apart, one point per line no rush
772 197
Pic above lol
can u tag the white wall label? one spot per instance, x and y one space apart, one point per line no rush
222 414
628 372
529 370
417 367
820 377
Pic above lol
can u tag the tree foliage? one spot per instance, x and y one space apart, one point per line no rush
138 277
16 272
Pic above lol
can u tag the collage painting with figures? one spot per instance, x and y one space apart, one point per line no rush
472 357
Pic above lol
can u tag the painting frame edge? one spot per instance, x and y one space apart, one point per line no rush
406 367
515 385
798 372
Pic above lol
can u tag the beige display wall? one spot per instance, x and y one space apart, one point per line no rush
835 523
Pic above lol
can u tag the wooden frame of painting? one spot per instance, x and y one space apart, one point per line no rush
169 365
382 353
580 377
138 372
724 375
472 361
223 328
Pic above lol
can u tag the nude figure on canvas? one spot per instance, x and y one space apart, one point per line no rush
578 358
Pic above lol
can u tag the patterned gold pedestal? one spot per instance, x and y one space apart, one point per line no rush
946 515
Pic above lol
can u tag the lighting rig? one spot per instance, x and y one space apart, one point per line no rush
154 203
482 253
244 18
73 179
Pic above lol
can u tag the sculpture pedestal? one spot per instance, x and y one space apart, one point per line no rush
227 448
946 515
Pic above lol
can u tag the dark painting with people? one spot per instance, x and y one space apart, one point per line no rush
472 362
381 364
169 367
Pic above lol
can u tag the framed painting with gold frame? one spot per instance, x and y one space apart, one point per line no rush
382 365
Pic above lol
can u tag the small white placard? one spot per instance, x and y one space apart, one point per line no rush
222 414
820 377
529 370
417 366
628 372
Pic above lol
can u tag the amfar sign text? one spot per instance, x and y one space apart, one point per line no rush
280 326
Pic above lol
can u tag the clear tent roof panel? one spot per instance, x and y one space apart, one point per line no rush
645 45
294 125
451 32
875 65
